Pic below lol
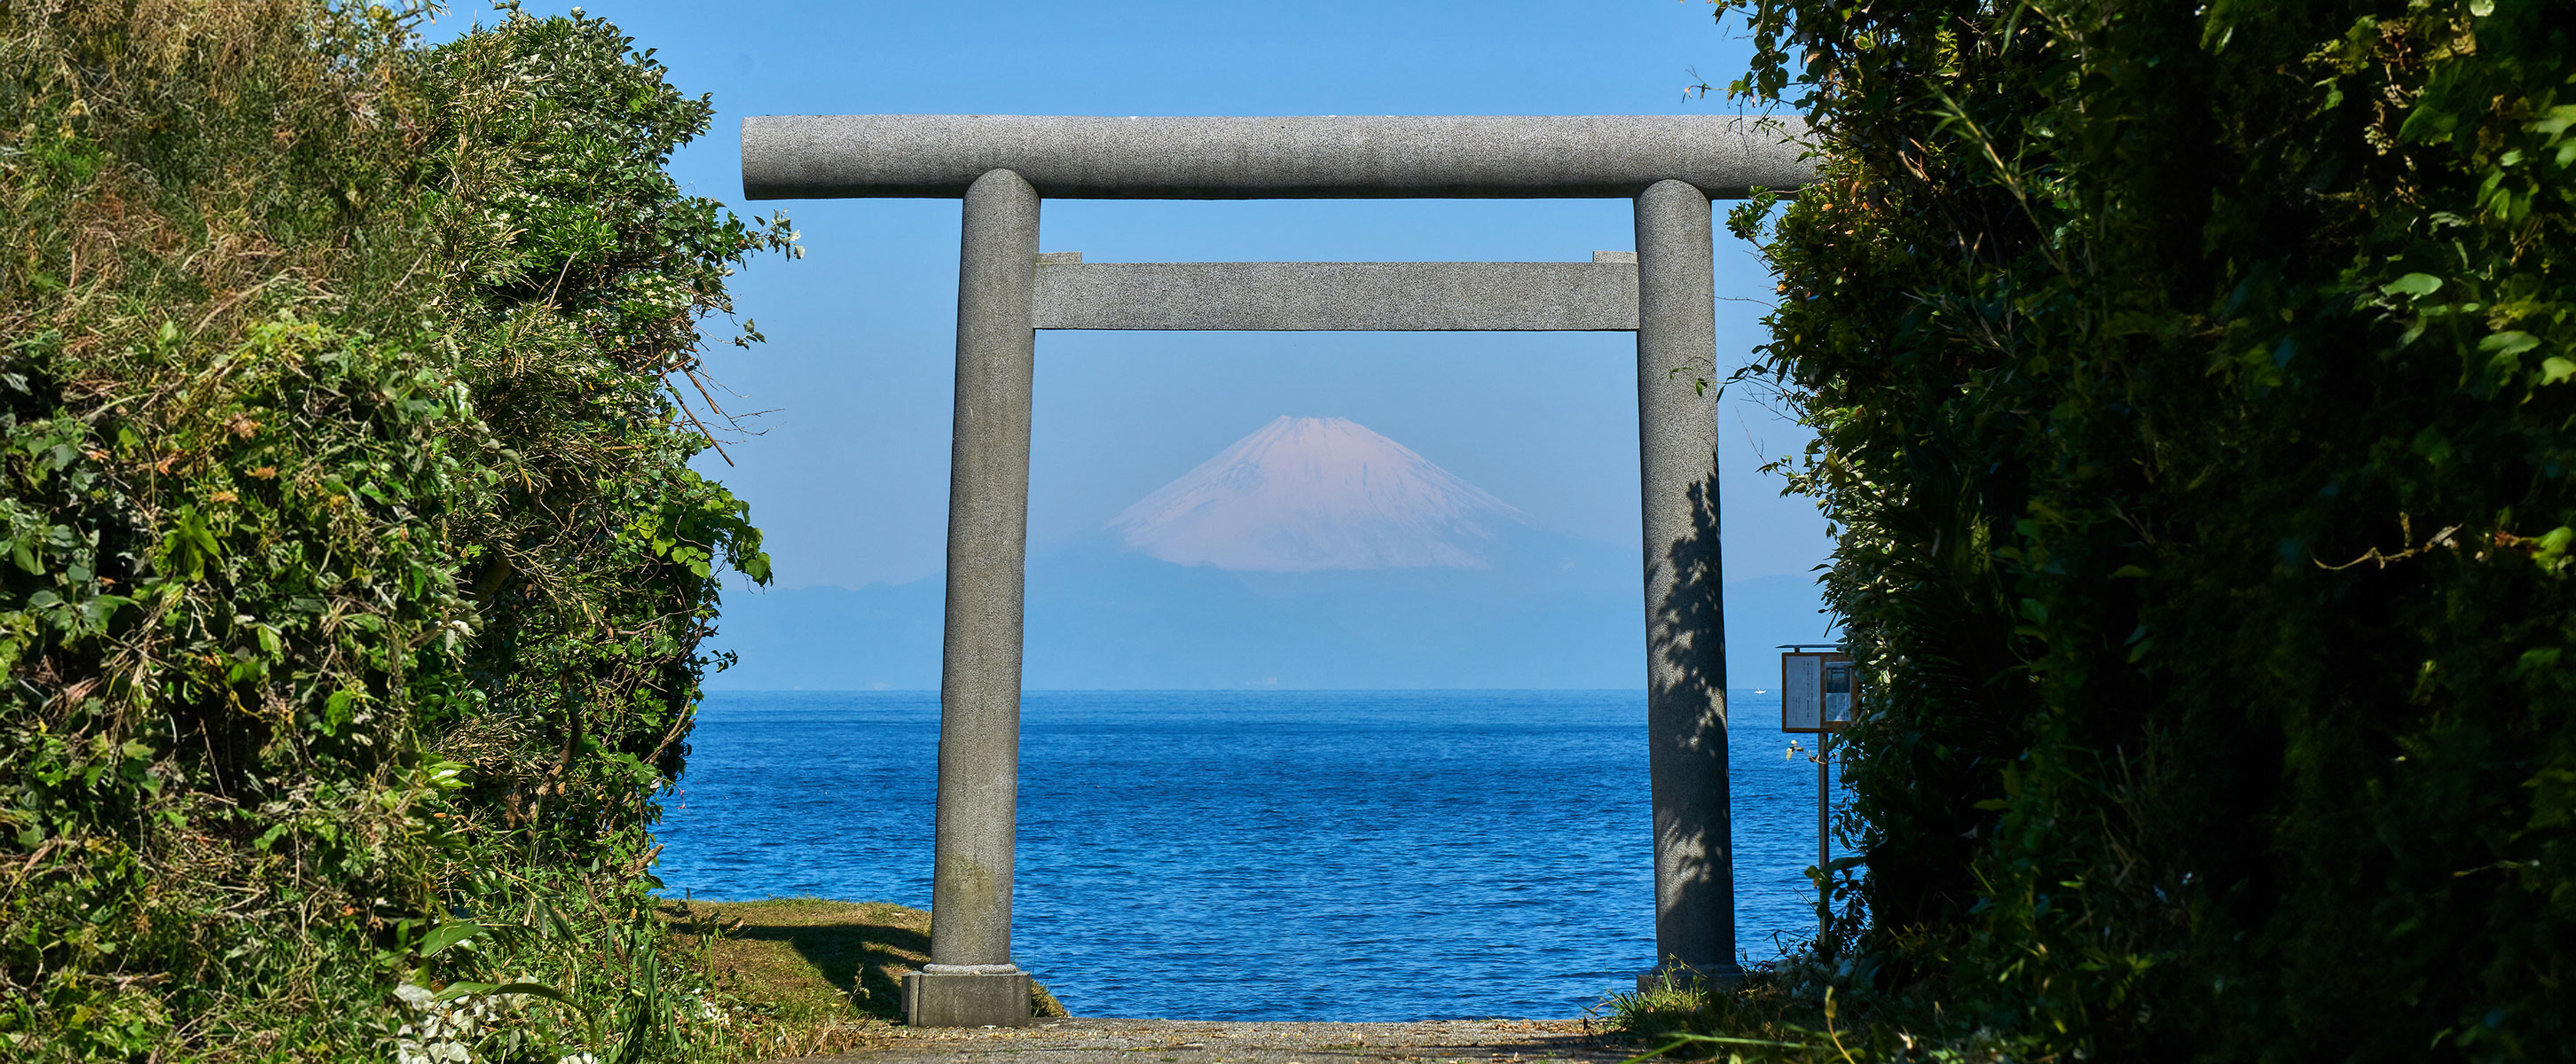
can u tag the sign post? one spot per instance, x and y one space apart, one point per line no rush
1819 690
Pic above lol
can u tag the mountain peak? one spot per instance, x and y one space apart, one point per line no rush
1305 494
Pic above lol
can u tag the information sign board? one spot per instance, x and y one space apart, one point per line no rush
1819 691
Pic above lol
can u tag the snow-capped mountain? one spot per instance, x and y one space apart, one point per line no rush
1312 553
1307 494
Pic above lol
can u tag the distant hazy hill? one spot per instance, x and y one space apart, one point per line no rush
1313 553
1199 628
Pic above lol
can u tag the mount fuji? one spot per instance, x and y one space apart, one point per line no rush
1308 494
1313 553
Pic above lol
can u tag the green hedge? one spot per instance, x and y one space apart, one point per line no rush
2194 406
351 569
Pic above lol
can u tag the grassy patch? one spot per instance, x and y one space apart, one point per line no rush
832 970
1756 1021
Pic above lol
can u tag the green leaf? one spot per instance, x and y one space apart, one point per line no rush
2509 343
1725 1040
2556 121
448 935
2555 369
269 838
2553 544
537 990
2413 284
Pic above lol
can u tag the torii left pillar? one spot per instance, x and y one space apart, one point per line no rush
970 980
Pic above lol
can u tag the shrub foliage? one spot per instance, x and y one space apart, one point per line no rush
352 572
2193 388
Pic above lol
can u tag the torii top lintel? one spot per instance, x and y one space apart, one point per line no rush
1312 157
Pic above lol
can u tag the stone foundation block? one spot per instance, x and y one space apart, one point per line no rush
966 999
1676 974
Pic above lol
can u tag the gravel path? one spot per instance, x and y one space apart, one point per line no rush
1198 1042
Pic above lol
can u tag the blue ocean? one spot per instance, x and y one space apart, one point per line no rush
1322 855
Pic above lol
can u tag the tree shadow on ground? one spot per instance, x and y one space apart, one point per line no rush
1687 748
790 950
815 957
864 961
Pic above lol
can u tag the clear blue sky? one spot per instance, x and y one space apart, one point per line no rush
850 478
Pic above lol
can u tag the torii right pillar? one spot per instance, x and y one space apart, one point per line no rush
1685 622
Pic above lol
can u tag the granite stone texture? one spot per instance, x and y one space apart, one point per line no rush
988 508
1677 380
966 999
1311 157
1375 296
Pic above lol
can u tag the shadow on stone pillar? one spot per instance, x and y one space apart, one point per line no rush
1677 393
1694 850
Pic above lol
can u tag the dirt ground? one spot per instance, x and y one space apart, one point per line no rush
828 970
1084 1041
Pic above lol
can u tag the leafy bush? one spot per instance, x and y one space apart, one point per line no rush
351 570
2193 390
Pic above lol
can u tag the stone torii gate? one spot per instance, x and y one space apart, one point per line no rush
1002 165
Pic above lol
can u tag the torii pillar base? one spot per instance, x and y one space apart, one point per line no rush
1683 977
966 999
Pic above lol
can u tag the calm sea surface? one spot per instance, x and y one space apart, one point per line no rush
1341 855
